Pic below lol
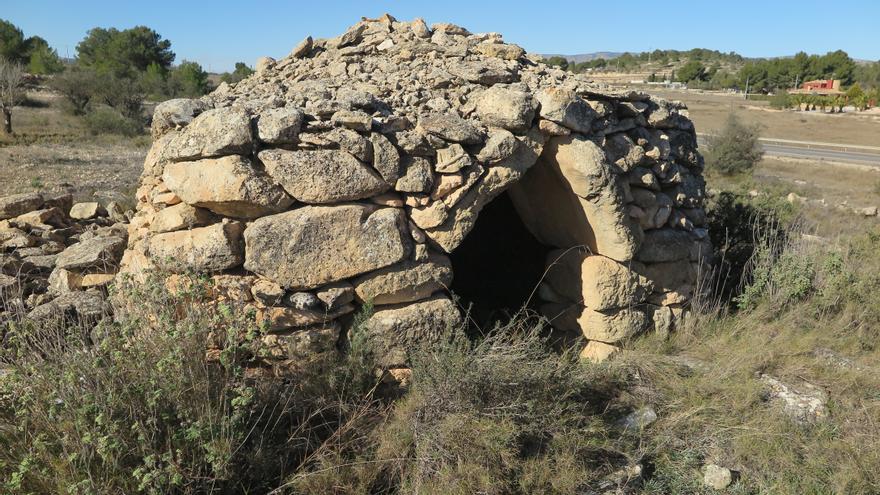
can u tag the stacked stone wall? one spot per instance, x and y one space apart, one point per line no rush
347 172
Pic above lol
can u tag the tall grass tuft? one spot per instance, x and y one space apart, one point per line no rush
136 406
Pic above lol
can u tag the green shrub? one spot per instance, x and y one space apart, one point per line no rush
780 100
108 121
743 230
735 149
77 86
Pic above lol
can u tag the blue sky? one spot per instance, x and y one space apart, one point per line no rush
220 32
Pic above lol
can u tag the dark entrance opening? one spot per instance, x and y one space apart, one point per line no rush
498 266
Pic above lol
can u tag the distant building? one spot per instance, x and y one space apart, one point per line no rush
819 87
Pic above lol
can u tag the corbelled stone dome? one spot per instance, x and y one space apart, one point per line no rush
352 170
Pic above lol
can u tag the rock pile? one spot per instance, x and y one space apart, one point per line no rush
347 172
57 257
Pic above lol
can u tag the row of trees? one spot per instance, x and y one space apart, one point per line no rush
33 53
854 96
704 69
114 72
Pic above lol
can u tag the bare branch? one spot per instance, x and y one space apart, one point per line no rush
11 84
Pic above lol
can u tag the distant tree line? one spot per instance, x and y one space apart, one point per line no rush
711 69
34 53
114 73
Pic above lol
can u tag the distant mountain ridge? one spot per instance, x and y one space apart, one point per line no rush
585 57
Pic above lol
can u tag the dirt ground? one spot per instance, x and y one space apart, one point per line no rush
52 150
85 168
710 110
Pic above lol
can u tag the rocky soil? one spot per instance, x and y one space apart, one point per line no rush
56 257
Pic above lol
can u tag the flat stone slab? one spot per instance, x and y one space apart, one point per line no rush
315 245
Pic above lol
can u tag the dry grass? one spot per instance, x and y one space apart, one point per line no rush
711 403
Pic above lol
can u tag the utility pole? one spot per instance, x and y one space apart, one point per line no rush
748 78
797 79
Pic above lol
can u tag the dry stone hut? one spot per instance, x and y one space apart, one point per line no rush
398 161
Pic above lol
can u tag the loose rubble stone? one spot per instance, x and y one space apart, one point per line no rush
597 352
450 128
386 158
640 418
417 176
283 318
805 403
716 477
311 340
336 295
19 204
86 211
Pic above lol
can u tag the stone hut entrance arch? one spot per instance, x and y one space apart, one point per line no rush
350 174
499 266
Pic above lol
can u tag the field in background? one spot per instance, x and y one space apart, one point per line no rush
52 150
710 110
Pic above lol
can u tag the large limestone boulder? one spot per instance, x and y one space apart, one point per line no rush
278 318
566 108
280 125
450 127
215 132
205 249
666 245
97 252
510 109
322 176
87 210
229 186
19 204
597 352
396 330
610 285
575 182
611 327
405 282
175 114
180 216
77 306
315 245
597 282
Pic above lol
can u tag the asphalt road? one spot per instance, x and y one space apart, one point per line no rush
804 150
789 151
